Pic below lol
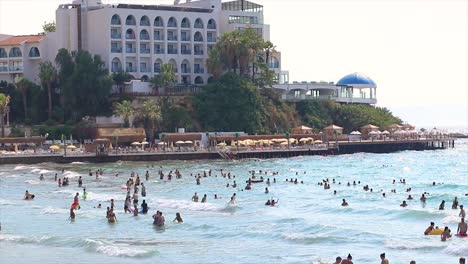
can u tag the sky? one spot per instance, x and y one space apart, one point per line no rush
415 50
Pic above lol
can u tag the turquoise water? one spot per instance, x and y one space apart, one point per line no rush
309 225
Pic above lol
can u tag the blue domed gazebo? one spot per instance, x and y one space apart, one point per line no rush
357 85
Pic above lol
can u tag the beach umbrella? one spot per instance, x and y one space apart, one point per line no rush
355 133
54 147
144 143
188 142
222 144
318 141
284 143
304 140
292 140
180 142
373 133
162 143
385 133
71 147
135 143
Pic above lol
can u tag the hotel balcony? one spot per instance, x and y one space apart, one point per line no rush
159 51
130 69
116 36
200 70
130 36
145 70
15 55
160 37
185 38
3 69
145 51
273 65
186 52
116 69
198 39
116 50
157 70
16 68
172 38
292 97
172 51
3 55
198 52
185 71
115 22
130 50
145 37
212 39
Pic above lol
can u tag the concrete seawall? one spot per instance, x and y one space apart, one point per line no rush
341 148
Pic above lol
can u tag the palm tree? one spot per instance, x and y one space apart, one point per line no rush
214 64
150 114
4 101
48 74
125 110
23 85
166 78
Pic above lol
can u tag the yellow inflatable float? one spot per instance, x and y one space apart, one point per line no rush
436 232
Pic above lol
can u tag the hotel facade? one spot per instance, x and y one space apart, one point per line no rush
138 39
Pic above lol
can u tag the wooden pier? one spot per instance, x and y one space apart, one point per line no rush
330 148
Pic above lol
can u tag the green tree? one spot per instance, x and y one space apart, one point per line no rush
49 27
48 75
84 83
125 110
214 64
4 101
121 78
150 115
231 104
175 116
165 79
23 85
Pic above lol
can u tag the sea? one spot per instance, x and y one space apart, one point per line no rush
308 224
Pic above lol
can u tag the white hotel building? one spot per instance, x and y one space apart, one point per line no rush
137 39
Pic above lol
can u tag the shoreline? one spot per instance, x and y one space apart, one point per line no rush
330 149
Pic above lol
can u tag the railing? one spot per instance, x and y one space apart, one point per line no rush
116 36
145 23
16 68
198 52
199 70
15 55
185 70
184 25
145 37
130 23
172 38
158 37
157 70
198 25
186 52
273 65
34 55
115 22
3 69
116 69
171 24
116 50
159 51
145 70
212 39
185 38
158 24
3 55
145 51
198 39
172 51
130 69
211 26
130 50
130 36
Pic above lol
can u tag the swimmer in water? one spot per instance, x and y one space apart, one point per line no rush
195 198
266 190
442 205
429 229
344 203
178 219
111 218
462 228
446 234
72 214
404 204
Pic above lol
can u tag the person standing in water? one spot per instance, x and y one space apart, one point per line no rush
85 194
144 207
195 198
462 213
178 219
143 190
80 182
203 200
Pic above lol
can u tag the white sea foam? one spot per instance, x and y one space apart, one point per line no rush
103 197
451 219
457 250
71 174
52 210
24 239
186 205
32 182
116 251
79 162
22 167
41 171
396 244
7 202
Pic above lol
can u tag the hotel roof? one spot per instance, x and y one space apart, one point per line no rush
356 79
17 40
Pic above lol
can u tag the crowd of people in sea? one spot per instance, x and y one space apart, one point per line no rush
135 189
